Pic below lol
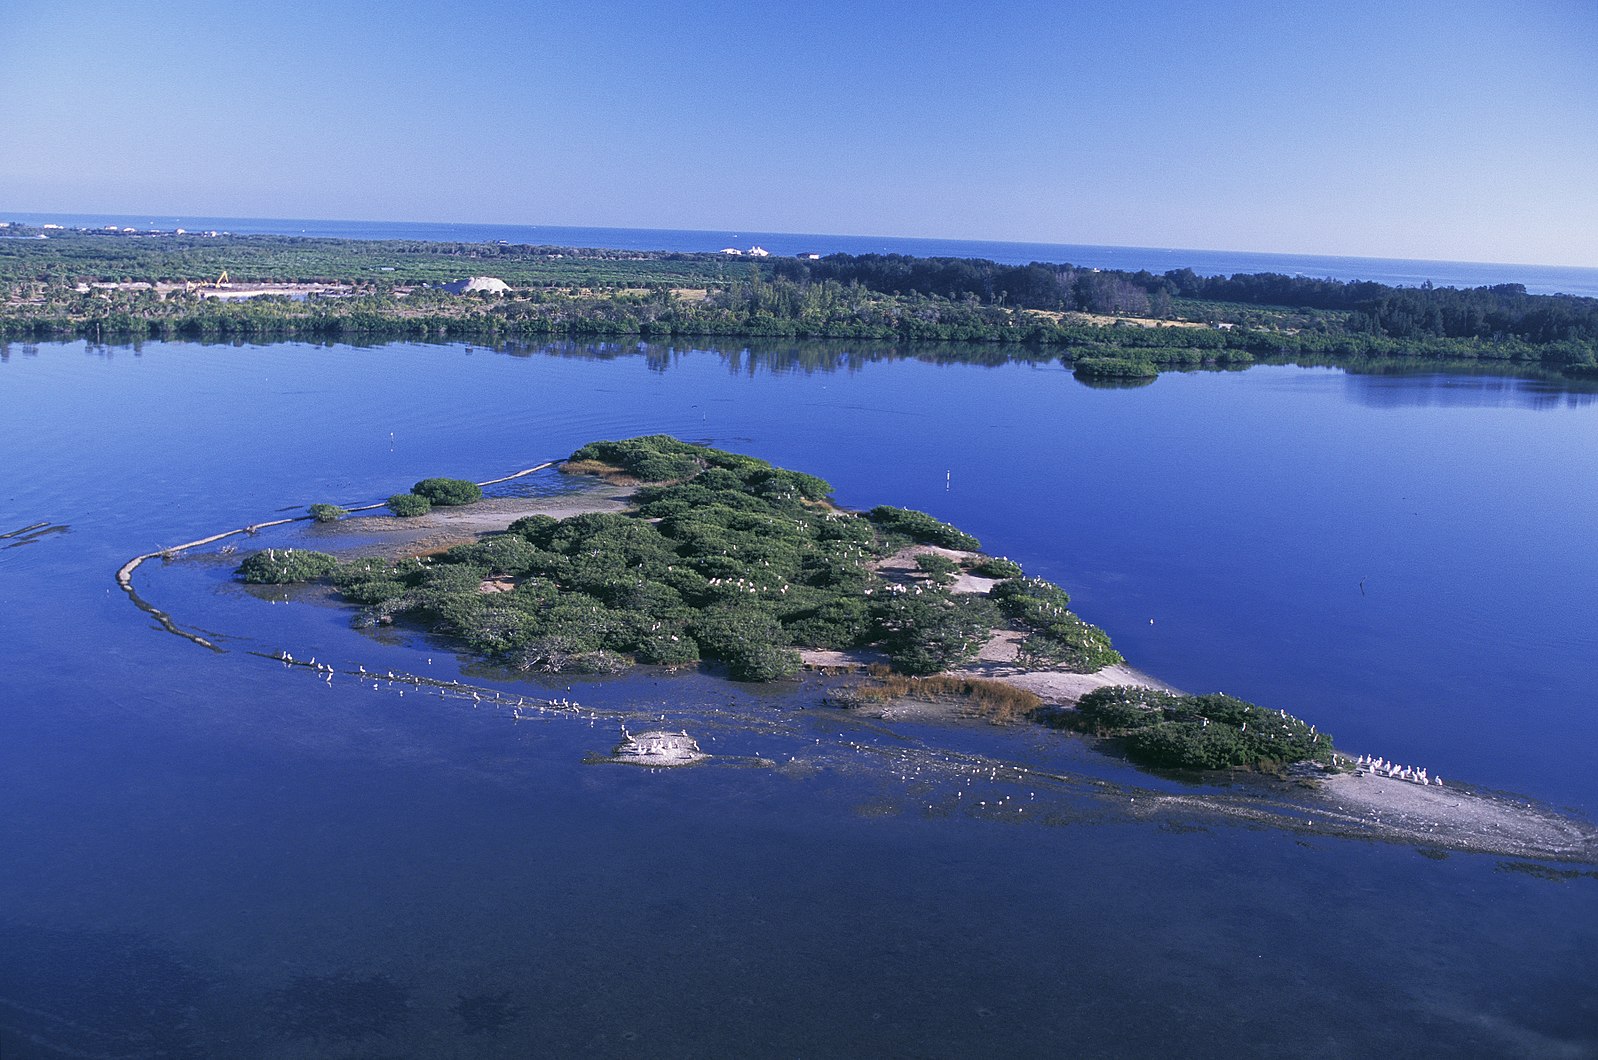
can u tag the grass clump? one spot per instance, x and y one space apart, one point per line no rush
994 700
328 513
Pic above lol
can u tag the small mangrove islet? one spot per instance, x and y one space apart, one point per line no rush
724 560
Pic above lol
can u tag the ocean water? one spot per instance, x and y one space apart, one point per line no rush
1538 279
208 854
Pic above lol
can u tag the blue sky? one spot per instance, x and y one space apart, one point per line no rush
1461 131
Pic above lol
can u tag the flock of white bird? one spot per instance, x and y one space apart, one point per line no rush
560 705
1383 768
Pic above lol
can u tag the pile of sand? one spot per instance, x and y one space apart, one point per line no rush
491 284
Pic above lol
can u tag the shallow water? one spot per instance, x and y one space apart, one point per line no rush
210 854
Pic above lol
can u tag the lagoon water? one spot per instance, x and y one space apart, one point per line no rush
207 854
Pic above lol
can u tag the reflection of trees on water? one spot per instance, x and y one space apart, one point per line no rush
1460 389
781 356
1379 381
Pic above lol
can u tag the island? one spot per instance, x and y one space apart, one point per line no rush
725 561
680 556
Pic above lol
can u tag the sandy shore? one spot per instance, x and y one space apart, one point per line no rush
444 528
1455 817
996 662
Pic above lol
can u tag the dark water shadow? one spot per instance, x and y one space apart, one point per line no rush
339 1008
89 993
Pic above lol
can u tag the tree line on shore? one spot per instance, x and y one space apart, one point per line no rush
860 297
1498 312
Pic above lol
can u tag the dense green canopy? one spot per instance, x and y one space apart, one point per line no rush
1201 732
725 558
728 559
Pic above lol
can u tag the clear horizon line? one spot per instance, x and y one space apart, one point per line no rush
848 235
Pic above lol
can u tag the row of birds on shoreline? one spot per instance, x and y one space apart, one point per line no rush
1383 768
560 704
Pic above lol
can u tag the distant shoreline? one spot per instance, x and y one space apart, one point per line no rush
1112 326
1538 278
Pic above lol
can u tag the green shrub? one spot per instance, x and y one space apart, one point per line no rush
991 567
488 626
749 639
762 662
370 569
1114 368
448 492
653 458
727 558
1201 732
450 579
499 554
1069 643
328 513
921 527
941 570
535 528
409 505
1034 601
1186 745
374 591
782 485
282 566
834 623
925 631
667 644
1118 708
560 654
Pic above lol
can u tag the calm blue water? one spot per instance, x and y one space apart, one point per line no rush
205 854
1538 279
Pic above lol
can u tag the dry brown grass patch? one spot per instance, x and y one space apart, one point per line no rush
609 472
998 702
